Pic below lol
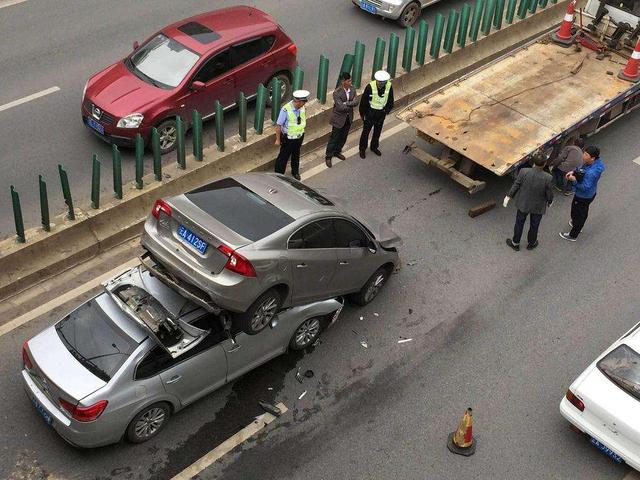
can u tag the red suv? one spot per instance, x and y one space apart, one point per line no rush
186 66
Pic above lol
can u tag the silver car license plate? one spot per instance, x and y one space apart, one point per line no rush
192 239
607 451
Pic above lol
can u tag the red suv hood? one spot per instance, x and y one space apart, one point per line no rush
119 92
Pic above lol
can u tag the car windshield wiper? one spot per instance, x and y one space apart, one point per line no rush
133 69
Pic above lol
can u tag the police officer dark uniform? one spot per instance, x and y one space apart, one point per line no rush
376 103
290 126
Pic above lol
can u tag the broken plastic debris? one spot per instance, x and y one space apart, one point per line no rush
405 340
375 314
302 395
298 376
363 342
412 263
272 409
309 374
269 388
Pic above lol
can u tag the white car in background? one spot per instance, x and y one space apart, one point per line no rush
604 401
405 12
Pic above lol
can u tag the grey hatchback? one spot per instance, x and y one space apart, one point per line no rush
254 243
124 361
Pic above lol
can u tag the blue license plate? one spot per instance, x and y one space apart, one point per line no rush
192 239
95 125
607 451
368 7
45 415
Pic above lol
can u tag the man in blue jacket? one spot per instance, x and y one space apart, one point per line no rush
585 181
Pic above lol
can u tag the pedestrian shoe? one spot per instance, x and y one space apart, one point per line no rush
533 245
566 236
341 156
515 246
376 151
327 160
363 154
296 176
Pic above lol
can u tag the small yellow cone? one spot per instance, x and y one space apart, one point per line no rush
461 441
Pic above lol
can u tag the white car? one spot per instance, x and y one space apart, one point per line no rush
604 401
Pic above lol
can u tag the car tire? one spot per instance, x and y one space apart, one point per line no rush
371 288
285 90
148 423
168 133
260 313
306 334
410 14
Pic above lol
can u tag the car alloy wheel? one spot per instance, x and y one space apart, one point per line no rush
307 333
149 423
168 135
409 15
264 314
374 287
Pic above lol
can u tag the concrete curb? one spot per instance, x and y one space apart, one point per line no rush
72 242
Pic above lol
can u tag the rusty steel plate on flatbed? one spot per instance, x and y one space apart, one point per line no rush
505 111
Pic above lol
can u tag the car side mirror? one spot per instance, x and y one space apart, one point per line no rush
136 45
197 86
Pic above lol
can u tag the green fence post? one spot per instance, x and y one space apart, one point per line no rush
155 151
463 29
436 39
522 8
392 58
196 121
407 52
261 101
358 64
423 36
181 157
298 78
487 19
276 99
242 116
543 3
117 168
533 6
219 126
17 215
139 160
66 192
511 10
44 204
450 33
475 19
378 56
323 80
95 182
499 15
347 65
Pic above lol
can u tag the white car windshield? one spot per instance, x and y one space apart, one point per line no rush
163 61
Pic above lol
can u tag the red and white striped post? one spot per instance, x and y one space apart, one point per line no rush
563 36
630 71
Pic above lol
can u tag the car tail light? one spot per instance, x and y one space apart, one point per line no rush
236 262
84 414
293 49
575 401
160 206
26 361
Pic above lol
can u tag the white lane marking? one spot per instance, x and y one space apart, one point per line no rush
62 299
352 151
28 98
8 3
637 161
229 444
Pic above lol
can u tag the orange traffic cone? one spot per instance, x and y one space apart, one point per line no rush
630 72
563 36
461 441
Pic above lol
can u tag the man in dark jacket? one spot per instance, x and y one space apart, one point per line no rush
570 159
585 182
376 103
533 193
344 99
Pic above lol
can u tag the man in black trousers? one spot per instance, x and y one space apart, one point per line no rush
376 103
533 193
344 99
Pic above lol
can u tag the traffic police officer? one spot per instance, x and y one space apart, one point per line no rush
290 133
376 103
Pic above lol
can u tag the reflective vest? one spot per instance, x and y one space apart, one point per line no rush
377 102
293 129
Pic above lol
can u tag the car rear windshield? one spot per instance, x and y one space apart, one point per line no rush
239 209
622 367
95 340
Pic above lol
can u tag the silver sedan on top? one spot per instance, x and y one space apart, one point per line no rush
255 243
123 362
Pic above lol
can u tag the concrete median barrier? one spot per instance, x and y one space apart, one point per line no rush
69 243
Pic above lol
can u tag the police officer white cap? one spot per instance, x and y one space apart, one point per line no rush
382 76
301 95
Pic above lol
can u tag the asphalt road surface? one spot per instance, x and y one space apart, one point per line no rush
60 44
500 331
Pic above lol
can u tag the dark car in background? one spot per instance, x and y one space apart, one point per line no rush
184 67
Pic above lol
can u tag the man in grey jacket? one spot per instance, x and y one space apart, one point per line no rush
569 160
533 193
344 99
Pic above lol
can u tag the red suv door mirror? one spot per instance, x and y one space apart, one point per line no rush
136 45
197 86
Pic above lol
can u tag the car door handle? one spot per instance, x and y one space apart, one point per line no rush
344 262
174 379
301 265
